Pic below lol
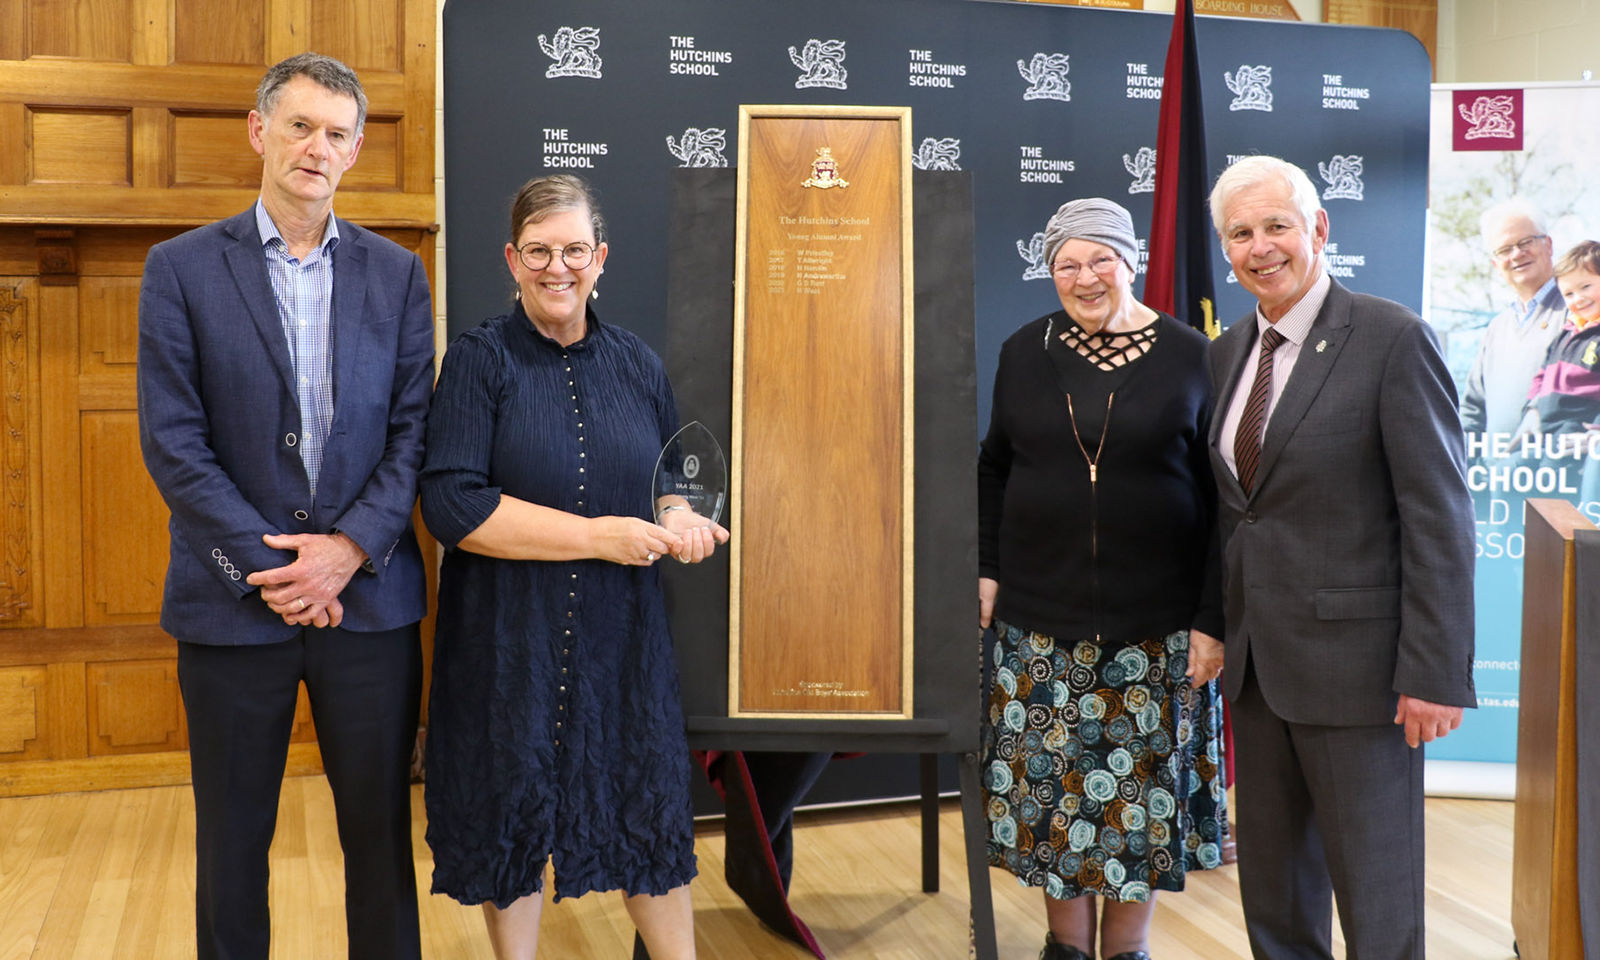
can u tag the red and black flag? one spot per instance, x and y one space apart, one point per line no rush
1178 275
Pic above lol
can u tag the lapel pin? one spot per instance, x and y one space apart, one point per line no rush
1322 345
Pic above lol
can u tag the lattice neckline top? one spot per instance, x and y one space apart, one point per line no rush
1110 351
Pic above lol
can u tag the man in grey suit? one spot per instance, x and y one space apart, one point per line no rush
285 366
1347 536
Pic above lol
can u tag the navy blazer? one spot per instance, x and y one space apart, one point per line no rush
219 421
1348 568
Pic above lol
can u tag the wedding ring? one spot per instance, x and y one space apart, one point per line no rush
650 557
301 601
683 559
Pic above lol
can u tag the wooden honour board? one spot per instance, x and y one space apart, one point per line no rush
820 586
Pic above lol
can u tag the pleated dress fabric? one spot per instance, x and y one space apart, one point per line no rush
555 724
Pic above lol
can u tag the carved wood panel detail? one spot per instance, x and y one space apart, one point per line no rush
18 606
134 707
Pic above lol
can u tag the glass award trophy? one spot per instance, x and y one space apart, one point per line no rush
691 466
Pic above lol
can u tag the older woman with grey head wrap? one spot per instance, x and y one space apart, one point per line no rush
1102 748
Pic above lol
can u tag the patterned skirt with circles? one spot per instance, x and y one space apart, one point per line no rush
1102 766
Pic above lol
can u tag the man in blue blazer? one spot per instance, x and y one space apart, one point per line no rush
285 366
1347 533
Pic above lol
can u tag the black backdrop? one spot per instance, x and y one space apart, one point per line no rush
502 114
1038 104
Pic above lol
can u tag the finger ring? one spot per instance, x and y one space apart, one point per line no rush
683 559
301 601
650 557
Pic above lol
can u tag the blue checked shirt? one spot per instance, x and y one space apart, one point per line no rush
304 291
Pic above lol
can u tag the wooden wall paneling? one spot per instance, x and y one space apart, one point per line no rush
149 147
219 31
124 524
421 88
124 519
120 252
81 30
67 710
70 83
79 645
288 31
152 32
134 707
62 564
378 166
1420 18
13 143
365 34
21 521
80 146
24 713
13 30
18 257
90 205
108 338
122 123
213 150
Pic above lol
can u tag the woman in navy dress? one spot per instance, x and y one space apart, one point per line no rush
555 728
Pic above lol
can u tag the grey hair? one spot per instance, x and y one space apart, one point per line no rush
1249 172
326 72
1493 218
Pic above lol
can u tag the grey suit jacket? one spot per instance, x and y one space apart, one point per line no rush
1348 570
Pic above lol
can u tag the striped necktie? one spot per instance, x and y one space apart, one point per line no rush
1247 442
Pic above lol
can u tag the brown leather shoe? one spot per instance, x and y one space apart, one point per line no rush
1056 950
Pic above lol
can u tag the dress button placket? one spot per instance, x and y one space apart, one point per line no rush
572 593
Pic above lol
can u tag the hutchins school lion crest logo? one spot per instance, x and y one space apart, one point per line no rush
700 148
1490 117
1033 253
821 64
1343 176
1046 74
941 154
1142 167
575 52
1251 86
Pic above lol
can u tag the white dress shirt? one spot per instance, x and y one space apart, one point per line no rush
1294 326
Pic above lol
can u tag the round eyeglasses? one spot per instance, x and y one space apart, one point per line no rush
536 255
1102 266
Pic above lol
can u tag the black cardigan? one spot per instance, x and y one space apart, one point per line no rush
1152 514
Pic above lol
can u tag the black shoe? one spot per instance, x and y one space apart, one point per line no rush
1131 955
1056 950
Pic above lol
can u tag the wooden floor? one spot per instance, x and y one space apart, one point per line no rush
97 876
